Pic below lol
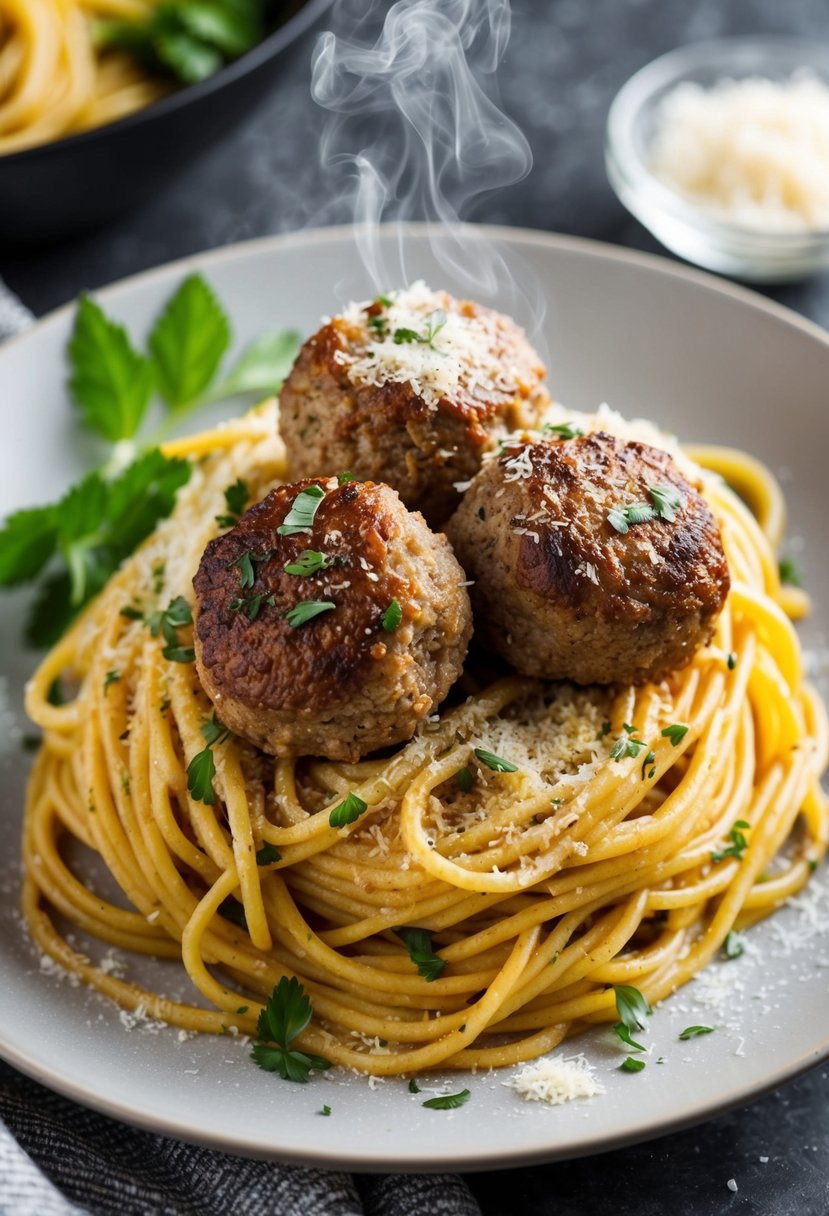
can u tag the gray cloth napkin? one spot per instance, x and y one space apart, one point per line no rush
60 1159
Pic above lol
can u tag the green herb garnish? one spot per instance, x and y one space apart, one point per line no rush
738 846
419 944
347 811
624 1034
236 499
693 1032
267 855
465 780
306 611
562 430
631 1064
202 768
177 615
497 763
733 945
434 324
300 518
676 733
111 677
448 1101
392 617
666 502
286 1014
414 1088
631 1007
789 573
309 562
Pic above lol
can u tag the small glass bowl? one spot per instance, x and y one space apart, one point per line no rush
730 249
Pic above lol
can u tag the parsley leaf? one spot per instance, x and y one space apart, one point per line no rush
250 604
465 780
789 573
300 518
200 773
676 732
392 617
286 1014
448 1101
309 562
112 677
562 430
496 763
110 382
306 610
236 499
262 366
631 1006
624 1034
666 501
739 843
733 945
621 518
188 342
27 541
630 1064
434 324
191 39
627 745
268 855
693 1032
419 944
177 615
414 1088
347 811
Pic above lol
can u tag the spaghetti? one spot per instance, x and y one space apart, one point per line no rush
54 81
541 887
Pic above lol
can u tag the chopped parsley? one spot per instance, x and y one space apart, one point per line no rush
789 573
177 615
300 518
345 477
414 1088
202 768
631 1064
286 1014
236 499
434 324
733 946
621 1030
664 504
112 677
497 763
419 944
739 843
631 1007
309 562
326 1110
131 613
392 617
693 1032
562 430
306 610
666 501
464 780
347 811
448 1101
251 604
627 744
650 758
267 855
731 661
676 732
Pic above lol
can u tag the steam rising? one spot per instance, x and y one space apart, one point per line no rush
415 132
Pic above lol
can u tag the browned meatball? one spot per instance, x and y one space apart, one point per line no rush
410 390
329 621
570 582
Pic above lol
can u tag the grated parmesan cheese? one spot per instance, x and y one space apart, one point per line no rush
556 1080
464 360
752 152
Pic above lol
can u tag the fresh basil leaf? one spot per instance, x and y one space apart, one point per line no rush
188 342
109 381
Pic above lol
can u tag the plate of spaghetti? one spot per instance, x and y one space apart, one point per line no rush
437 753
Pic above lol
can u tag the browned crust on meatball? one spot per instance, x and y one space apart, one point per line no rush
559 592
388 432
340 684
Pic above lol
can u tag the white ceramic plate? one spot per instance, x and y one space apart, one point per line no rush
709 360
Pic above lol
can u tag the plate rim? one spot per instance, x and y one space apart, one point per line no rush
440 1160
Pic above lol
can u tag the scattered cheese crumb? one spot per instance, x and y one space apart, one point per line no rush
732 1185
556 1080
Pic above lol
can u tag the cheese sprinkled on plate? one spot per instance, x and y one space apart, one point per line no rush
556 1080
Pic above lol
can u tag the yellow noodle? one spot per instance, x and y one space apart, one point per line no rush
540 893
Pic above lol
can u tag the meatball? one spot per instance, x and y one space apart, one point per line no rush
410 390
593 560
329 621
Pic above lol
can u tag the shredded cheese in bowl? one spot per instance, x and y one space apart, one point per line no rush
753 152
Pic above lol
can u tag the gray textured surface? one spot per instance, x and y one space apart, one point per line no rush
566 60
